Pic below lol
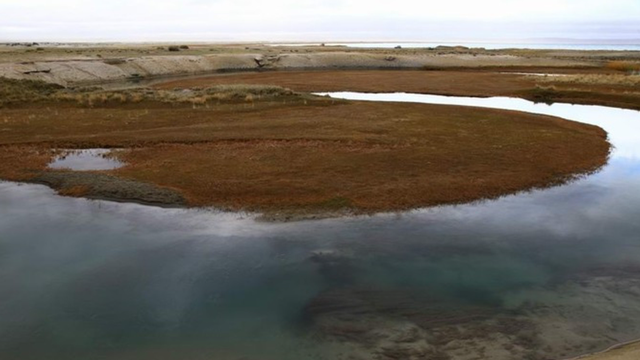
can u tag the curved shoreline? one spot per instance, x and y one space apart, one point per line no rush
165 193
468 82
621 346
615 347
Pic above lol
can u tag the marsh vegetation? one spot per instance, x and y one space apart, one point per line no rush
269 149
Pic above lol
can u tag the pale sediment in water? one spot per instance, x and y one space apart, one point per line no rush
625 351
566 319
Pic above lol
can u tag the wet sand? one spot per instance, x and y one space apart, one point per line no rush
621 352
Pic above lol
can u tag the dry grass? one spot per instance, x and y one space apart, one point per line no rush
74 191
21 162
625 66
595 79
311 155
200 96
27 91
433 82
14 91
490 82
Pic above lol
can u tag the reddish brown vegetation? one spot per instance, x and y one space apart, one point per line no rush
482 83
318 156
468 83
21 163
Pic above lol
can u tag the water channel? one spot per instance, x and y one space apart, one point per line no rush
545 274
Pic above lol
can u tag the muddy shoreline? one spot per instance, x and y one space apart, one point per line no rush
629 350
99 186
103 187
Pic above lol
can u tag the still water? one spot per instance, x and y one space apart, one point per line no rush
544 274
86 160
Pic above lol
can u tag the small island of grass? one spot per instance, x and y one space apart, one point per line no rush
285 154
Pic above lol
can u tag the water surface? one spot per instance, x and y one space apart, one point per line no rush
85 160
556 269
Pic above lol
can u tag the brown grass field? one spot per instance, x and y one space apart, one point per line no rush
296 154
599 86
464 83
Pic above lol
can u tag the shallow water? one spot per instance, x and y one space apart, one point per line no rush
99 280
534 74
85 160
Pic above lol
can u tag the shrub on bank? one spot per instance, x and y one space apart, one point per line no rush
545 94
114 61
12 90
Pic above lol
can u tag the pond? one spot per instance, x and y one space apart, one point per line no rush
86 160
543 274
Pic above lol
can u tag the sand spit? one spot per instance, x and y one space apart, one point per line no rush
71 72
628 351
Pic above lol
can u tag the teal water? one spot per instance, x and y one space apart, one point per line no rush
84 279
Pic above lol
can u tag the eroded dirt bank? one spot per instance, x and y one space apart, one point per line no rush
91 70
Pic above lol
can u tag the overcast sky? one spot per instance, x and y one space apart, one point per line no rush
316 20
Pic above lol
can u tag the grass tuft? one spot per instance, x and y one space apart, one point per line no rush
545 94
13 91
623 66
28 91
595 79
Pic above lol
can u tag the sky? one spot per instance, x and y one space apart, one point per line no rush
317 20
